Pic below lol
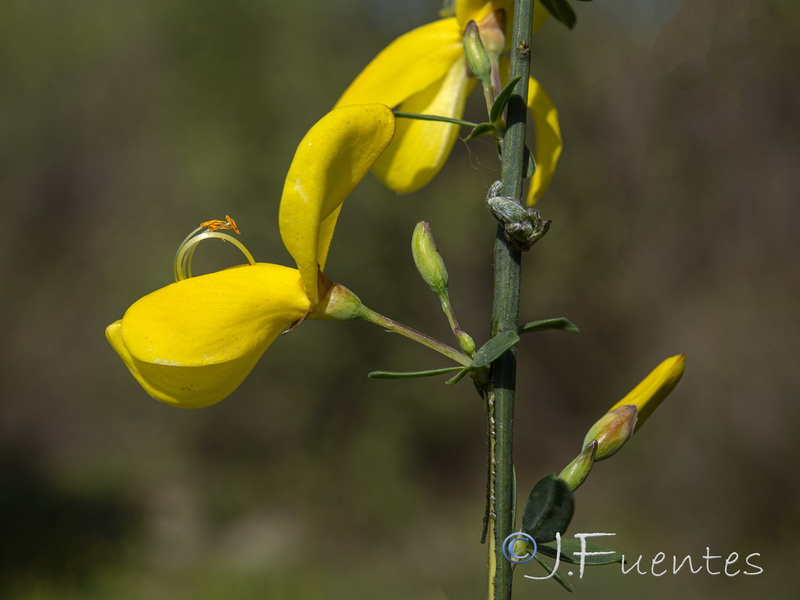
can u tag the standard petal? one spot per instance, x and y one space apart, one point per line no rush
548 139
420 148
331 159
408 65
192 343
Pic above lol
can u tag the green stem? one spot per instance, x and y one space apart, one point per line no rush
488 97
377 319
505 316
447 309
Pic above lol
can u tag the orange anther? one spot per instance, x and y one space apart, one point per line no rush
216 224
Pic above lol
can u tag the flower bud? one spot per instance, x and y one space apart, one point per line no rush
575 473
465 341
428 260
476 55
628 415
612 431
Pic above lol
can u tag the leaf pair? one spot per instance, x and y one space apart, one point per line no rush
547 515
487 353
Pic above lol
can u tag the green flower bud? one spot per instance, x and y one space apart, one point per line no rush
575 473
476 55
465 341
428 260
612 431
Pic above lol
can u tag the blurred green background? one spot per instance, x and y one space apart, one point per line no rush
675 216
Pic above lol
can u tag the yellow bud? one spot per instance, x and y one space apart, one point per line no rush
428 260
652 390
627 416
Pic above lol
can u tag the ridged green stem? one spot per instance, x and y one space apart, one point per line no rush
505 316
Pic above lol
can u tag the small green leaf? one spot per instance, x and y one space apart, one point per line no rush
502 99
571 546
481 129
528 163
494 348
410 374
549 509
558 323
557 576
561 11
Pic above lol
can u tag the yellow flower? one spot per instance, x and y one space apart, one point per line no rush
193 342
425 72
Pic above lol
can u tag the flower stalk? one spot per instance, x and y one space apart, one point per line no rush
391 325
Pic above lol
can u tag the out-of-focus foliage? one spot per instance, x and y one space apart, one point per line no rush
125 124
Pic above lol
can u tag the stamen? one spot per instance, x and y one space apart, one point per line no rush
216 224
182 265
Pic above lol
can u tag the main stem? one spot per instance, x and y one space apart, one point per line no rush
505 316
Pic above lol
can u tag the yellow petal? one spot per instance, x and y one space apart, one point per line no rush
331 159
192 343
420 148
548 139
654 388
408 65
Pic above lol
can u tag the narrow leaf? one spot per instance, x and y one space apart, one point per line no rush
557 323
548 510
494 348
502 99
481 129
410 374
561 11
